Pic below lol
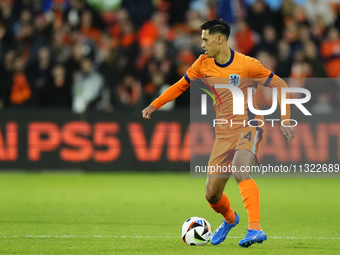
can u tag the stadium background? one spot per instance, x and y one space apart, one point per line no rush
75 76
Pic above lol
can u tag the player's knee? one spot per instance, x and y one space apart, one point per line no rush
212 197
240 174
241 177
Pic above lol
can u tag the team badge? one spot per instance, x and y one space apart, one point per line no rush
234 79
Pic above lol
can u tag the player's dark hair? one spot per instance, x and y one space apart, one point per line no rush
216 26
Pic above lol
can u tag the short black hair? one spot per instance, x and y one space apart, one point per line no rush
216 26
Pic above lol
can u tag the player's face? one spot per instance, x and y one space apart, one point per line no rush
210 43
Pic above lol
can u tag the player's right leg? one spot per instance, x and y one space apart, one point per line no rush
221 156
219 201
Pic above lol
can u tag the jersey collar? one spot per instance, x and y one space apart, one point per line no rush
230 60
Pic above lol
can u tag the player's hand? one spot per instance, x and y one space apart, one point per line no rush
148 111
288 132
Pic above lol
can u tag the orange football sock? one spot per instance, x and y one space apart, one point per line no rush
250 195
223 207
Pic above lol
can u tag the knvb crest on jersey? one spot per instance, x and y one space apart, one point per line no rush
234 79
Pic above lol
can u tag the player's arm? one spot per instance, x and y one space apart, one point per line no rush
170 94
277 82
269 79
175 90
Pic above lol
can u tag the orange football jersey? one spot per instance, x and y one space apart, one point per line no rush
241 71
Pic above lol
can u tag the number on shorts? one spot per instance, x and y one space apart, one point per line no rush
248 136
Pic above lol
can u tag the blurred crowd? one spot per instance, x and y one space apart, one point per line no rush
122 54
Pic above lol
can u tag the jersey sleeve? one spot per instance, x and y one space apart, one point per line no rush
265 77
179 87
194 70
257 70
171 93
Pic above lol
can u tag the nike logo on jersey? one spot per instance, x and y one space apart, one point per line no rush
208 76
241 143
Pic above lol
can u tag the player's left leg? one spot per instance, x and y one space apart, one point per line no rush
250 195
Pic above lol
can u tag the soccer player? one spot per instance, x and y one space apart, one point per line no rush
236 145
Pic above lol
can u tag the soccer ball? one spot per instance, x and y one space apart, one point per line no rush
196 231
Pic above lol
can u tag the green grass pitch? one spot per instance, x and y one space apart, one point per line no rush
142 213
